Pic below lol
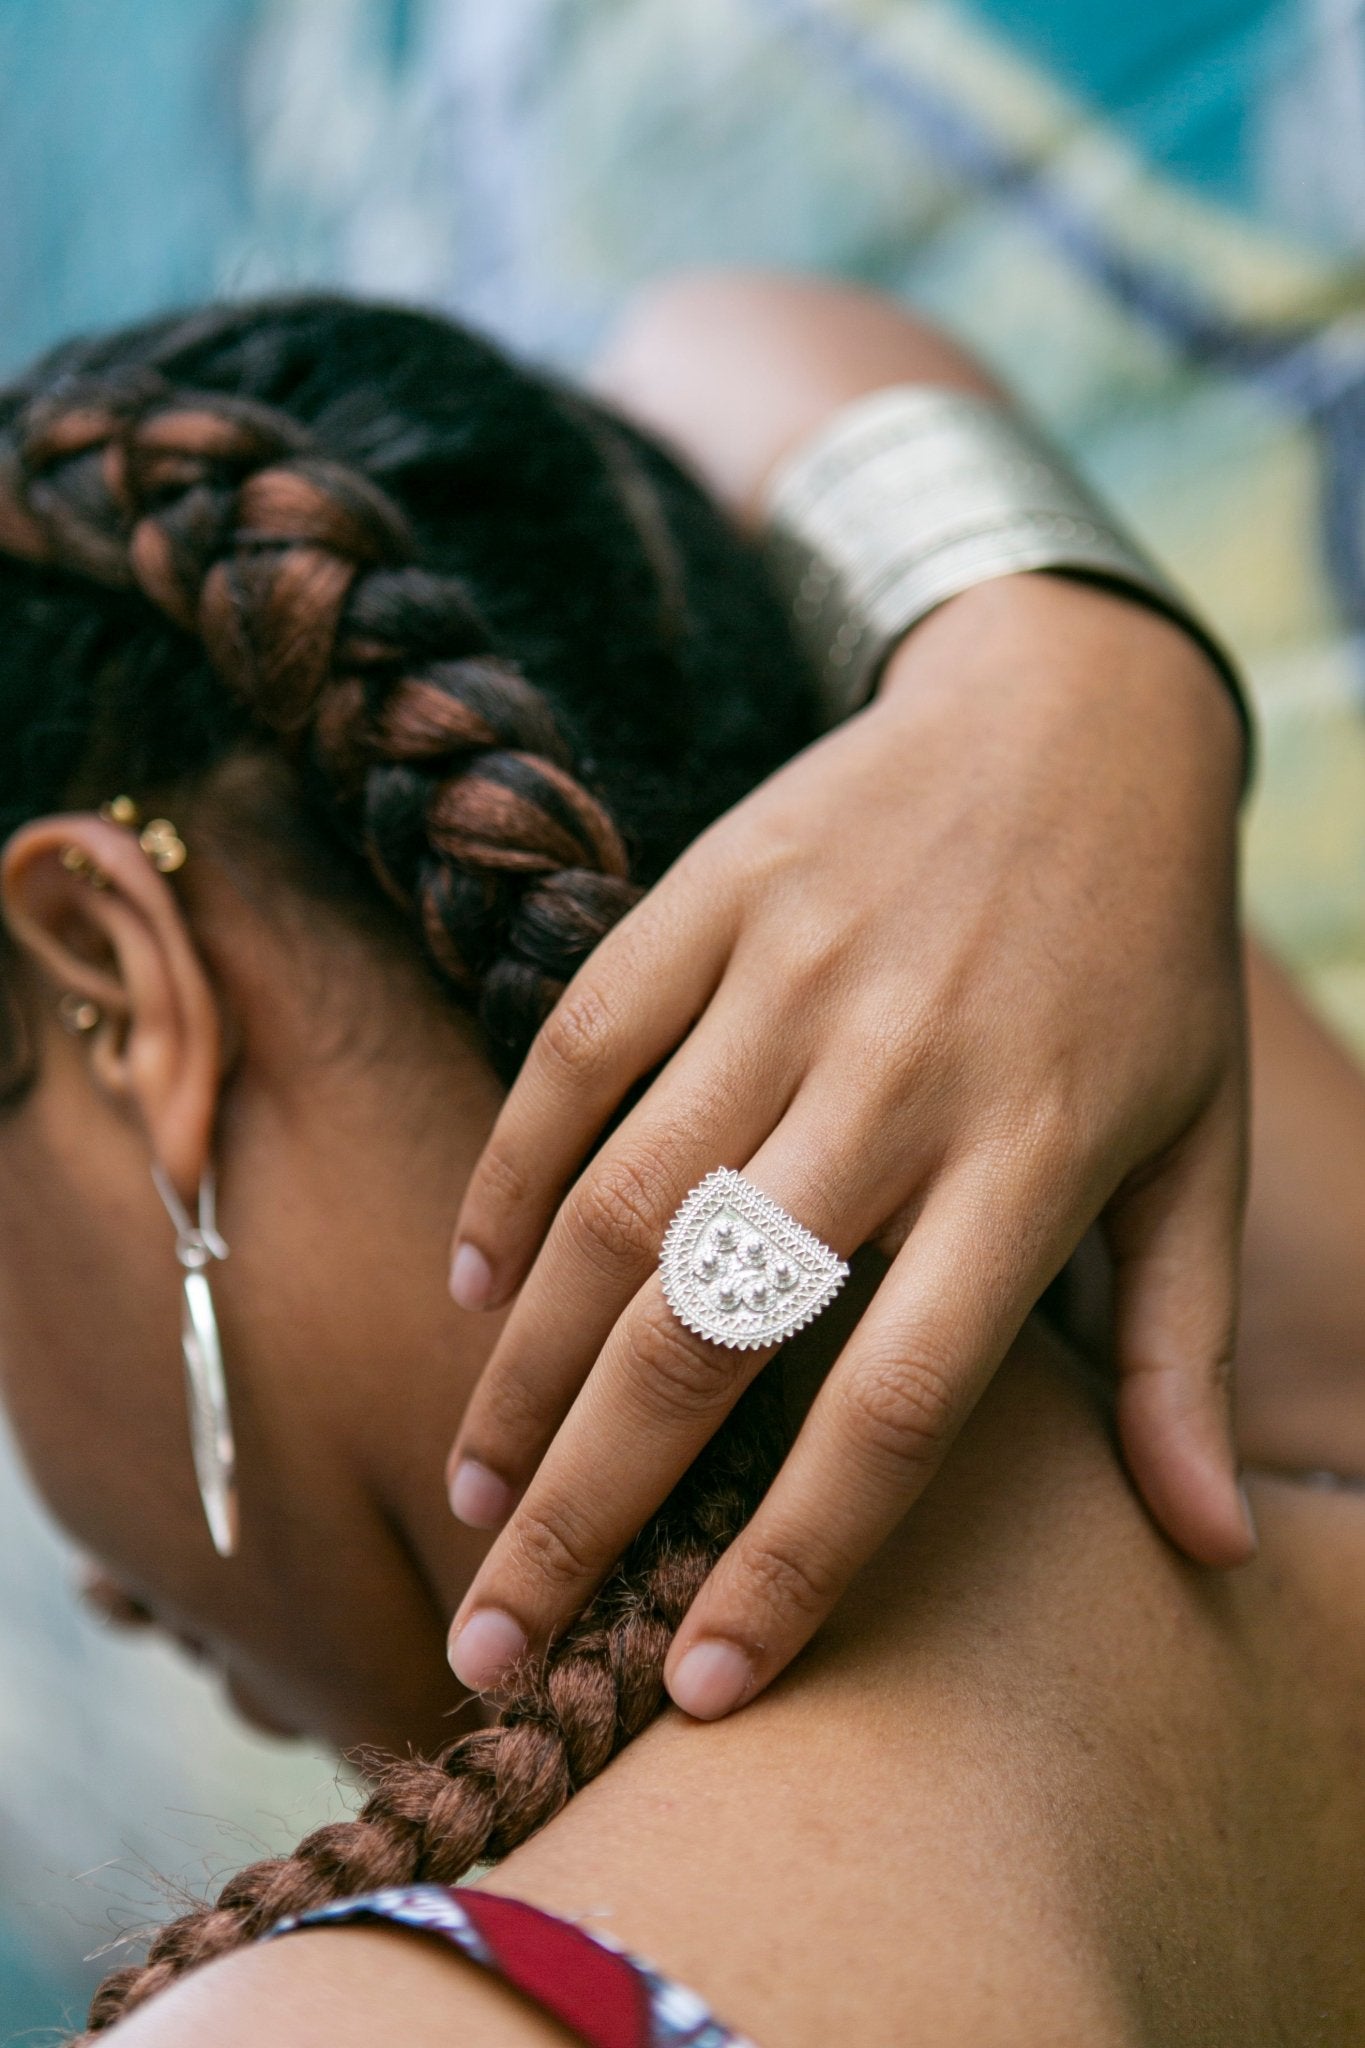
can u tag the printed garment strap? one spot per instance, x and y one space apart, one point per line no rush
604 1996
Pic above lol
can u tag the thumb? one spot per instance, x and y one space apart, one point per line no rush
1176 1244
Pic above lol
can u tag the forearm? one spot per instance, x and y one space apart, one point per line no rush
735 368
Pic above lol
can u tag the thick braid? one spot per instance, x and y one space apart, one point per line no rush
441 762
567 1715
447 771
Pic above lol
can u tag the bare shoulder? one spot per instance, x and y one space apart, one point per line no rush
345 1987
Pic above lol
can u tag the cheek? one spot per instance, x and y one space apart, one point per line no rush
92 1381
317 1623
320 1621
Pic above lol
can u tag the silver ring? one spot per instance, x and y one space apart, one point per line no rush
738 1270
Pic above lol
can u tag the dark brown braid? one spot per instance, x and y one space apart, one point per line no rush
567 1716
439 759
498 637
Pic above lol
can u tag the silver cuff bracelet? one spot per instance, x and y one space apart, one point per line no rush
916 493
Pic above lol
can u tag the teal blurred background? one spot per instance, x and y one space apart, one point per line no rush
1150 223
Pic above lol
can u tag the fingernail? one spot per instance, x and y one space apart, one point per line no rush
486 1646
711 1680
478 1498
1252 1531
471 1278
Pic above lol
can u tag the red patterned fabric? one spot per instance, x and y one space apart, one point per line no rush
595 1990
604 1996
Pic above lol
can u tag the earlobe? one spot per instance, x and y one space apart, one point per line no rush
102 924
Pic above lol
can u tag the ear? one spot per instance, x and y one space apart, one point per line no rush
84 902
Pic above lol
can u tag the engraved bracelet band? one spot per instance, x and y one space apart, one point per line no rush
914 494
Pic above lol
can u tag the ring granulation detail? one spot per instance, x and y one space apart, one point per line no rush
739 1271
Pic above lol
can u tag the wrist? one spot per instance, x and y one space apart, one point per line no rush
1039 648
911 499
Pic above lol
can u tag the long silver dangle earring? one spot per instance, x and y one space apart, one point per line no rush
197 1244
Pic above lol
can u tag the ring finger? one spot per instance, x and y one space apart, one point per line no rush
656 1396
709 1106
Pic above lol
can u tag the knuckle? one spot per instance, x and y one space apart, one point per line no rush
722 1095
786 1580
506 1413
909 1045
1187 1373
902 1408
901 1047
502 1181
1221 1367
619 1213
1046 1132
678 1374
813 968
578 1038
1039 1153
550 1548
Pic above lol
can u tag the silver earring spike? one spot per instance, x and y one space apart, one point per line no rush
197 1244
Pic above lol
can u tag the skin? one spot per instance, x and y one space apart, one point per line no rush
316 1108
1114 1798
968 965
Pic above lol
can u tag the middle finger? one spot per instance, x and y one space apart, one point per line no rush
711 1106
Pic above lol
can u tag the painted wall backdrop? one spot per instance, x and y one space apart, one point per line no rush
1148 218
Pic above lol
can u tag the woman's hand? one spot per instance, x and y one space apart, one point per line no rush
958 981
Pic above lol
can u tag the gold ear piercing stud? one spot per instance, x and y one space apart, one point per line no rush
163 846
158 838
77 861
166 851
79 1014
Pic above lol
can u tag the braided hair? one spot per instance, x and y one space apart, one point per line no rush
513 659
565 1716
505 661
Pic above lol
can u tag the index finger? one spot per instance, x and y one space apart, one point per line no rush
622 1013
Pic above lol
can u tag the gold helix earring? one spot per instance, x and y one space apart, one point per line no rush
158 838
77 861
198 1241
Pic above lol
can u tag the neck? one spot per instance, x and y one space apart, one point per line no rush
356 1366
1057 1749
